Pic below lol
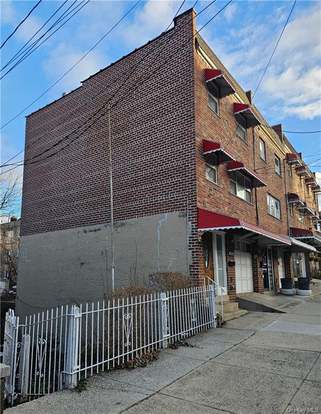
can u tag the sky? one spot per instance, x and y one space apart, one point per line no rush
243 37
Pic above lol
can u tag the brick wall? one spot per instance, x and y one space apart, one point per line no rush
152 143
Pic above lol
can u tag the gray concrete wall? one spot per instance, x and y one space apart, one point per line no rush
73 266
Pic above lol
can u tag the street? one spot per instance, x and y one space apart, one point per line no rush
260 363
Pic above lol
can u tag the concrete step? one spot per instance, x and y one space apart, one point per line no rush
228 316
230 307
223 298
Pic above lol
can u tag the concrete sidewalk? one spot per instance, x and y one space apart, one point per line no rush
260 363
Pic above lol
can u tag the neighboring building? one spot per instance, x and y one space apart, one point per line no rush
9 250
199 180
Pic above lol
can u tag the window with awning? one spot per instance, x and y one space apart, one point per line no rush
218 83
215 153
256 181
245 115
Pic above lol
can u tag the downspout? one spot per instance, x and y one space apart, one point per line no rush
255 189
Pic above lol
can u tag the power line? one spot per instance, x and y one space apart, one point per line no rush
33 160
275 47
122 84
21 50
22 21
302 132
34 46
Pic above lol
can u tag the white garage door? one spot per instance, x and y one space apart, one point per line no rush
243 272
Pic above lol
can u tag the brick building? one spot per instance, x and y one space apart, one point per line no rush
199 180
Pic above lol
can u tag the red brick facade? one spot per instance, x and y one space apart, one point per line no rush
158 166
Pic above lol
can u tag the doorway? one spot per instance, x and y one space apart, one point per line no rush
219 258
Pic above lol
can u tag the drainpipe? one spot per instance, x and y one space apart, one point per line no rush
255 189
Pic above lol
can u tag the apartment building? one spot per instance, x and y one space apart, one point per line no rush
200 181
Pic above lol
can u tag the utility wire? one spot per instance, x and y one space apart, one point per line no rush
275 47
32 160
34 46
22 21
125 80
22 49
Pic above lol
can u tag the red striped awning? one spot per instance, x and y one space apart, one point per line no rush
215 153
302 170
245 115
217 78
239 166
210 221
293 158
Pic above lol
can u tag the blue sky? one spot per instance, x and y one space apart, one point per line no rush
243 37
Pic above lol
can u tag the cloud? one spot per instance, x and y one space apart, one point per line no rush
230 12
63 56
292 83
149 21
11 16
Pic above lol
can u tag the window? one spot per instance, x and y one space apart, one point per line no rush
262 149
291 210
277 165
241 132
274 206
301 216
211 173
241 186
213 103
290 171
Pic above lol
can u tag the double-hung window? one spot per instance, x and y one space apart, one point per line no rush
241 132
274 206
213 103
262 150
211 173
241 186
277 165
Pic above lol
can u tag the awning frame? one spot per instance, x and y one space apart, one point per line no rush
217 78
215 153
245 115
239 166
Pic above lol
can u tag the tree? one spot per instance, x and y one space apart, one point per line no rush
9 193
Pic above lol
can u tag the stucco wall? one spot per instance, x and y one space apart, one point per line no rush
73 266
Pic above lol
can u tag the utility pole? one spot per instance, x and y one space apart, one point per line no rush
111 202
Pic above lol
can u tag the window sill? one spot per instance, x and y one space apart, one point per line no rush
214 112
242 140
212 182
275 218
250 203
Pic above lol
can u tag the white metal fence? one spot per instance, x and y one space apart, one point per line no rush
54 349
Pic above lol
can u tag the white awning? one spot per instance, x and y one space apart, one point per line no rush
304 246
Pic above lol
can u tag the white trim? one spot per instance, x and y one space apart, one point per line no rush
215 260
302 244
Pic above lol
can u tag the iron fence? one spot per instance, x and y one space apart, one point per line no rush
56 348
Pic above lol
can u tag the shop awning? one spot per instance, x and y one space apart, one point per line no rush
300 246
245 115
215 153
293 158
239 166
210 221
217 78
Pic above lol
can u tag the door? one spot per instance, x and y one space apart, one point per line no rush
220 261
281 268
243 271
208 256
268 270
